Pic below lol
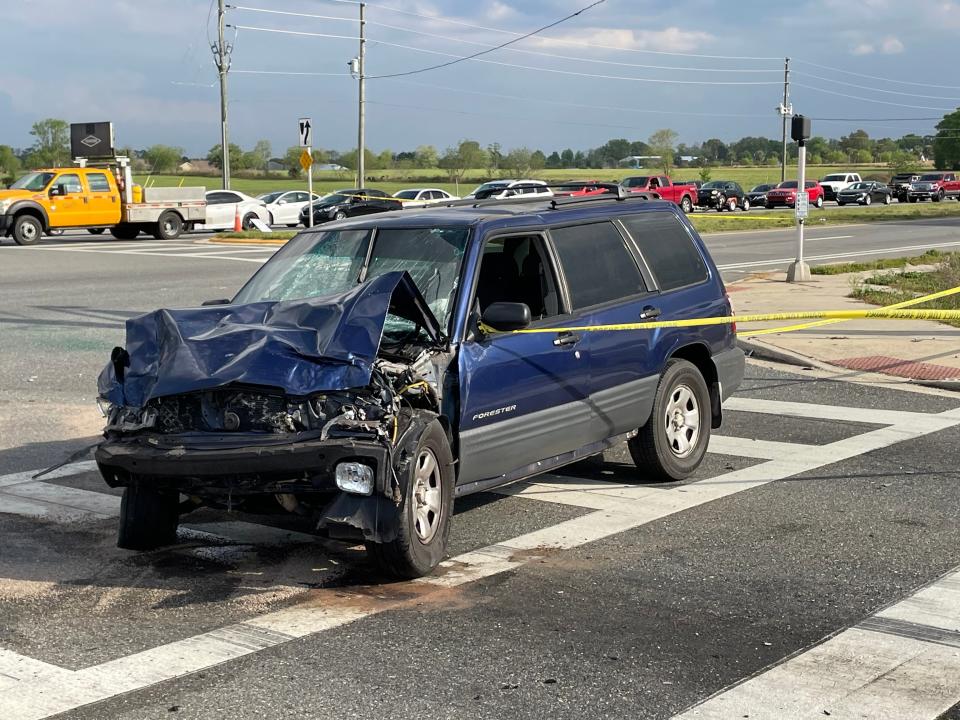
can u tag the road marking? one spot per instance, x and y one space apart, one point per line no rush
830 237
873 416
621 508
208 256
839 256
893 664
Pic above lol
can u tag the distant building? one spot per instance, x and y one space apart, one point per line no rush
638 161
196 165
688 159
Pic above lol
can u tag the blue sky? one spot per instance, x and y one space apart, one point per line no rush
146 65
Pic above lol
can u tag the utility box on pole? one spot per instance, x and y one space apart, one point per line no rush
799 271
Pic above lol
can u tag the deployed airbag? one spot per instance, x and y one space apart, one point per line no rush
299 346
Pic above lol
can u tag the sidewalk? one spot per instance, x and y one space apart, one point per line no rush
918 350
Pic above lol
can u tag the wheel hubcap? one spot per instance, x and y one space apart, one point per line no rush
29 232
427 496
682 421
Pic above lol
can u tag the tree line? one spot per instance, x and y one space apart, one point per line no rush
51 148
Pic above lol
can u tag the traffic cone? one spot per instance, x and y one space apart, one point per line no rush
237 224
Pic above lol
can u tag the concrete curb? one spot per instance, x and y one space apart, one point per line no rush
764 351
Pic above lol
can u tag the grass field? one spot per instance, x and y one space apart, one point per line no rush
727 222
909 285
392 180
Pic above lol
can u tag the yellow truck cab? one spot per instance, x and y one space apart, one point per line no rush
95 198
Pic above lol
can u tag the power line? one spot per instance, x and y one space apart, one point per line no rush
286 72
511 49
293 32
880 102
497 47
882 79
873 89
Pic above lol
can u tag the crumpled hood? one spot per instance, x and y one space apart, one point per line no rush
299 346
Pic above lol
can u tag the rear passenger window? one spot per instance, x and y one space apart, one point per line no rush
667 248
597 264
98 182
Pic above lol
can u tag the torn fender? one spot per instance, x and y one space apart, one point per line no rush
300 346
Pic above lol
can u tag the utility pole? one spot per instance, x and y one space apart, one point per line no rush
221 57
786 104
361 120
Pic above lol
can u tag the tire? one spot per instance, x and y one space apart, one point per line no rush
247 222
721 203
657 449
293 224
125 231
840 204
867 200
148 518
270 219
913 199
887 200
27 230
746 205
340 215
169 226
686 204
425 512
732 204
938 197
96 231
819 202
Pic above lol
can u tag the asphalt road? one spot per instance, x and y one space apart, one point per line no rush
584 595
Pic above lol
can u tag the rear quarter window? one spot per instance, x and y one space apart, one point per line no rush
596 263
668 249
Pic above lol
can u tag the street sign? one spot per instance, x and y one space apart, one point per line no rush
306 159
803 205
306 134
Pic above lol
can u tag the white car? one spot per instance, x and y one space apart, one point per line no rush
833 184
421 197
222 206
284 206
500 189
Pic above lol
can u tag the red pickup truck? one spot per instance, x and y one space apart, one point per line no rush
935 186
684 195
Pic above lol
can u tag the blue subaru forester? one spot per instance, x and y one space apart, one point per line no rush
370 372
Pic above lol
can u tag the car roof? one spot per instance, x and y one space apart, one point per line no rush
420 189
508 214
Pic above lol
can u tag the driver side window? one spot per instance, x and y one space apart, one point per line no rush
516 269
70 183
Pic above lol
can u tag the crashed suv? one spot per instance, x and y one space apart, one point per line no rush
375 369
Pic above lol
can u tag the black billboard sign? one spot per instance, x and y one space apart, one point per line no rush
91 140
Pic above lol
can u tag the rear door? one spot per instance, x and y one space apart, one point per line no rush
103 200
523 398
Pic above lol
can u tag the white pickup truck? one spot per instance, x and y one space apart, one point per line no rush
834 183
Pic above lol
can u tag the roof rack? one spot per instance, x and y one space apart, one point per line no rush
615 192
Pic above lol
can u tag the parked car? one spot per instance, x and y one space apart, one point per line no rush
421 197
758 194
223 206
786 194
284 206
900 185
582 188
833 184
500 189
368 373
865 193
683 195
349 203
722 195
935 186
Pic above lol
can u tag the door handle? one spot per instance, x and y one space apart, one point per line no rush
566 338
649 312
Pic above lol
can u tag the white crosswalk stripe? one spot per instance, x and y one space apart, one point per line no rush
183 248
910 642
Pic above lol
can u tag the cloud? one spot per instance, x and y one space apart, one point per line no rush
671 39
863 49
891 46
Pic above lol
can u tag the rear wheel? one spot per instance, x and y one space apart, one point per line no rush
840 203
819 202
686 204
27 230
886 200
148 518
169 226
867 199
674 440
425 511
746 205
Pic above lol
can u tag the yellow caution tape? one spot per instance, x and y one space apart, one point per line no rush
905 303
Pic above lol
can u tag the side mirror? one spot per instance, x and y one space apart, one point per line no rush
58 190
281 201
221 301
506 316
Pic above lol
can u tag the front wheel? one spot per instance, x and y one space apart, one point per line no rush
125 231
886 200
938 197
671 445
840 204
686 204
819 202
340 215
148 518
95 231
425 512
247 223
746 205
27 230
721 203
867 200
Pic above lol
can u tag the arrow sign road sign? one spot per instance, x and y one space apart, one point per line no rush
306 159
306 136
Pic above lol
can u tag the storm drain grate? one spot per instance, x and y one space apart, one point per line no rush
900 368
